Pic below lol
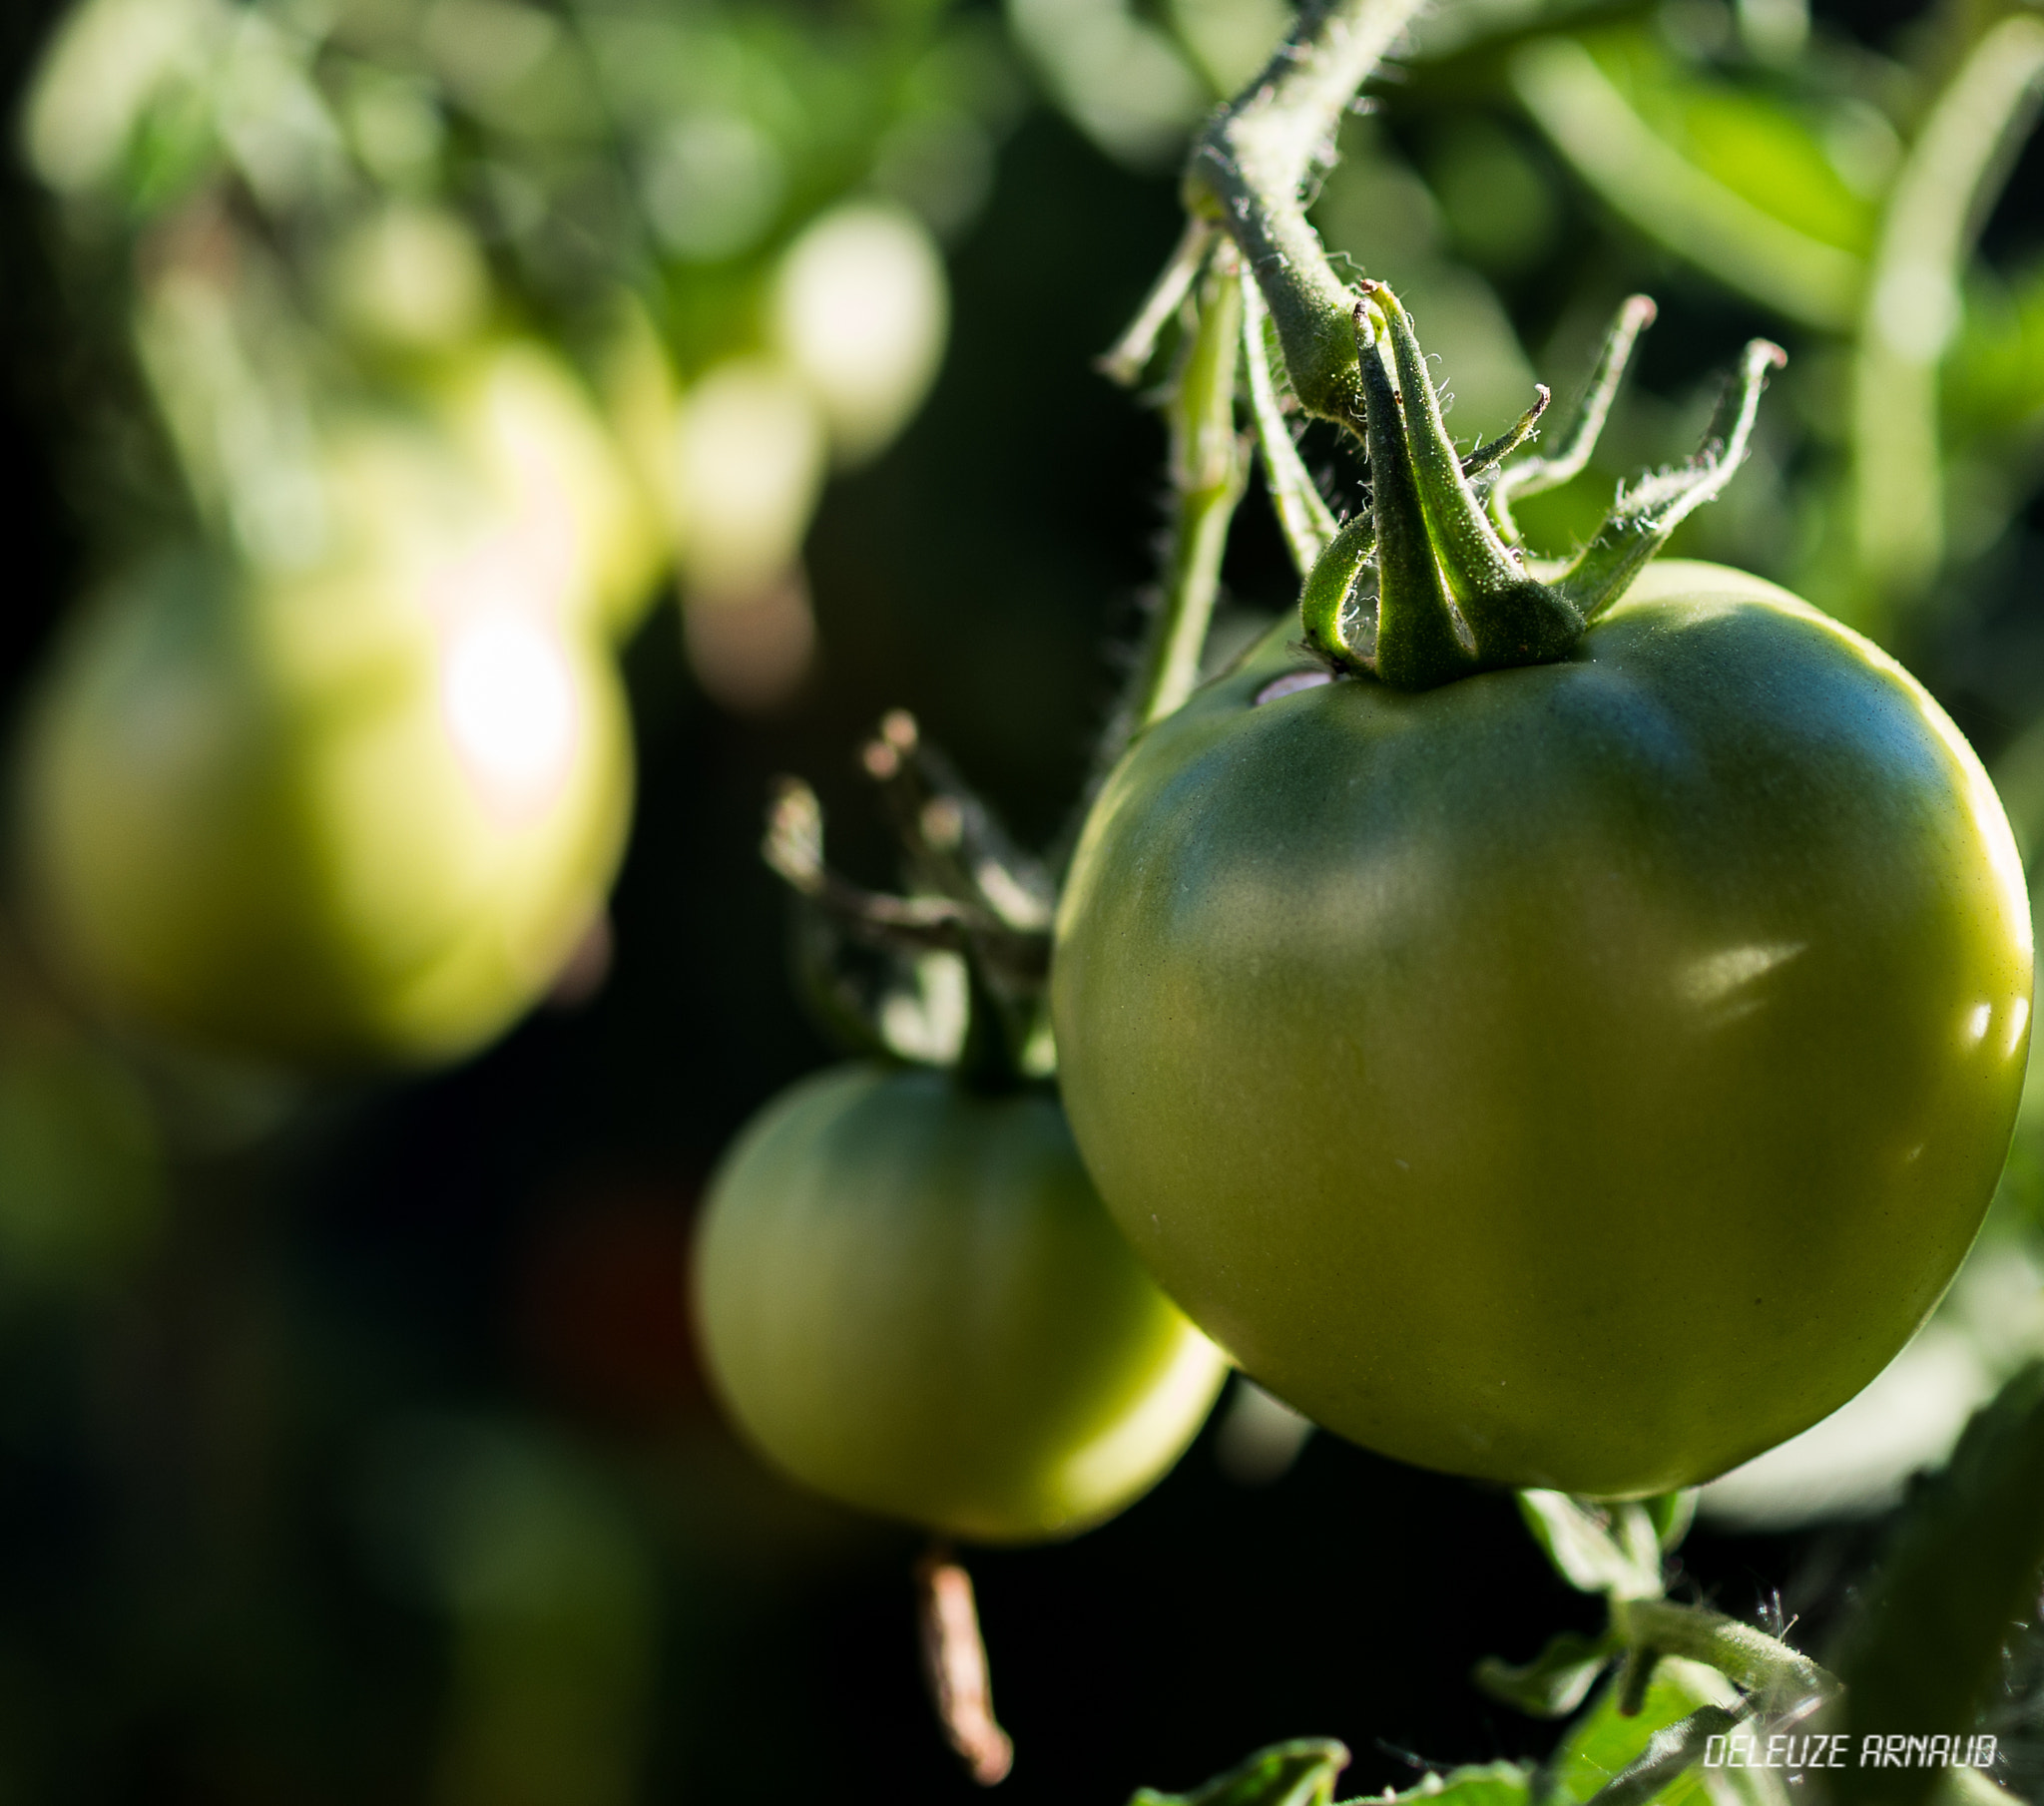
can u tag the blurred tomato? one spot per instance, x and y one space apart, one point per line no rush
359 816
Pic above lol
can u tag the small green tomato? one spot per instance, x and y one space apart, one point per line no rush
910 1298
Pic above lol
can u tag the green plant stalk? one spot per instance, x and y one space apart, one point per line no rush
1748 1658
1247 172
1208 471
1911 308
1124 360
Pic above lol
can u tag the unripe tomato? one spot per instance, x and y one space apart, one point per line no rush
515 411
910 1299
360 817
1581 1076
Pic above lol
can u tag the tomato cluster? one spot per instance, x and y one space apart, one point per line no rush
1562 1025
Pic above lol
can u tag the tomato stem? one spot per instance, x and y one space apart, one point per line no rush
1003 961
1125 359
1208 471
1532 475
955 1666
955 844
1247 172
1748 1656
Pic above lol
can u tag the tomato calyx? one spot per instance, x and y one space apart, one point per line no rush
1429 583
951 975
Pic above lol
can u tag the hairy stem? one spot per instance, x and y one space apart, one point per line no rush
1750 1657
1248 169
1124 359
1207 476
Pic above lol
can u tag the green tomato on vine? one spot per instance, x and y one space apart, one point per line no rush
912 1300
1567 1033
909 1294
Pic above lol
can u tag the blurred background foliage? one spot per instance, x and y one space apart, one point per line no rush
352 1445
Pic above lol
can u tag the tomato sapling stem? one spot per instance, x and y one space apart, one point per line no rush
956 1666
1247 172
1743 1653
1635 1676
1129 356
794 849
955 845
1208 471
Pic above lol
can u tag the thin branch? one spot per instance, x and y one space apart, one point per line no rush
956 846
793 849
1124 361
1750 1657
1208 471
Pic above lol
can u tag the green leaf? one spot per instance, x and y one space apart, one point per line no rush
1993 377
1607 1744
1671 1514
1924 1652
1301 1773
1555 1682
1490 1784
1596 1548
1298 1773
1726 178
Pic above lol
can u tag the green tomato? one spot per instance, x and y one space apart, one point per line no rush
341 821
521 416
911 1301
1582 1076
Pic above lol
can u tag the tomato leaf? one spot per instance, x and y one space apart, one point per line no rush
1555 1682
1490 1784
1993 375
1924 1651
1671 1514
1609 1755
1298 1773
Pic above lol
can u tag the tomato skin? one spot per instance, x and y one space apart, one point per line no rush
1583 1076
910 1298
250 821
